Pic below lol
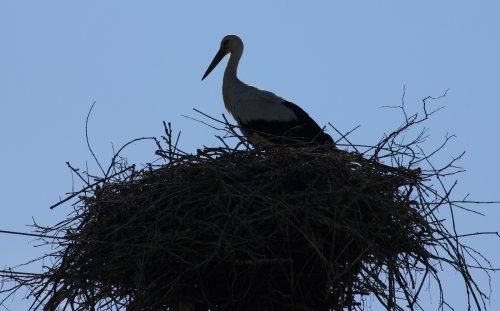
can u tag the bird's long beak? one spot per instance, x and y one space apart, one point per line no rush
217 58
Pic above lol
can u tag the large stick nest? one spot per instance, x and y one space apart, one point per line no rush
232 228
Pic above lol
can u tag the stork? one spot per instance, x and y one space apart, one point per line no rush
263 117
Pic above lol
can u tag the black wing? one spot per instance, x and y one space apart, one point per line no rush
302 130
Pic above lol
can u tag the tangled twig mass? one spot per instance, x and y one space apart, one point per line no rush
243 228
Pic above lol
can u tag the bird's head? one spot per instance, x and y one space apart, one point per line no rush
229 44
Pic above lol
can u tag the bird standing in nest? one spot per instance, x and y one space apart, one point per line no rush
263 117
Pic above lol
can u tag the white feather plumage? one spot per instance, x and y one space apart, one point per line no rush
252 104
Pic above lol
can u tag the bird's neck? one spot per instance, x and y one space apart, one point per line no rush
231 72
231 81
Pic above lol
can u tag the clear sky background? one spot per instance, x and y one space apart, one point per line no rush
141 61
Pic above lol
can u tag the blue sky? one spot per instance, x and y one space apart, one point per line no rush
142 63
